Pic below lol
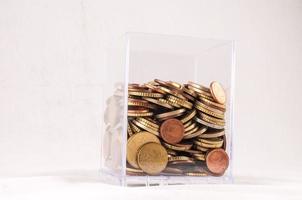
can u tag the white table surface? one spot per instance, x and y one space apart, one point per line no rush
89 186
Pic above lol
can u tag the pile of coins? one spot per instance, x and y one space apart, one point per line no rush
176 129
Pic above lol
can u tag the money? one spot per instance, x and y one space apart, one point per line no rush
172 131
217 92
152 158
176 129
217 161
135 142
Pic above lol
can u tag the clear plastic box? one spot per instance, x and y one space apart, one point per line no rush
140 58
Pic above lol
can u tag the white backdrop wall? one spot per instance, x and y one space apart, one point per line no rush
51 77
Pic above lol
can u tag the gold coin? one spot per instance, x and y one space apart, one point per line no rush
152 158
161 82
207 145
194 133
209 120
129 130
196 174
171 114
193 125
179 158
182 162
199 86
171 152
199 91
135 142
175 147
149 122
174 84
173 104
134 128
206 97
213 134
172 171
189 116
218 92
214 126
141 103
129 169
214 141
181 102
146 127
172 92
203 149
189 123
138 110
189 92
221 107
204 110
146 94
212 120
159 102
209 108
154 88
191 131
148 114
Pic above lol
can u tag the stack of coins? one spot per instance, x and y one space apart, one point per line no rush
176 129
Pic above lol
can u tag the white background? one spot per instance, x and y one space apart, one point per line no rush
51 69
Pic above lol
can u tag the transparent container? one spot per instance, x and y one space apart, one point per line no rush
141 58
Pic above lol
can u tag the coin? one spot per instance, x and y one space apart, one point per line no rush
171 152
189 116
191 131
199 86
170 114
140 102
172 131
158 102
189 92
181 102
197 133
179 158
172 171
145 94
192 126
212 119
134 170
199 91
218 92
129 130
135 142
142 114
208 124
149 122
176 148
193 110
217 161
196 174
176 93
198 103
213 114
134 128
152 158
213 104
213 134
182 162
146 127
174 84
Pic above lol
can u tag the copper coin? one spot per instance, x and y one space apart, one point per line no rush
172 131
217 161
